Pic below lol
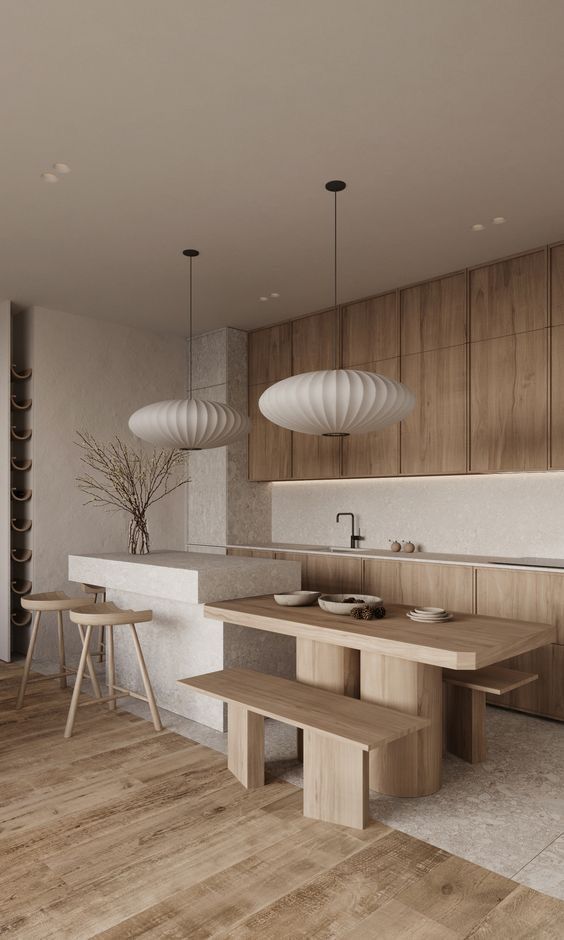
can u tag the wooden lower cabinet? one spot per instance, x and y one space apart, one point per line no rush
330 575
414 582
529 595
251 552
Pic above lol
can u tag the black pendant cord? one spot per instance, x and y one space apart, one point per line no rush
335 186
190 253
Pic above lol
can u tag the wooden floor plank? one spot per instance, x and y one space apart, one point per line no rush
123 833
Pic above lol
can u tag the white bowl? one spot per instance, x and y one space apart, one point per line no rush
334 603
297 598
429 610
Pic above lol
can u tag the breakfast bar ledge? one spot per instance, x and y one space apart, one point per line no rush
393 662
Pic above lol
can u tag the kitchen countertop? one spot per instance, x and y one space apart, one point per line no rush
192 577
555 565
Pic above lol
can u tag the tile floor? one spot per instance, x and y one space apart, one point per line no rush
506 814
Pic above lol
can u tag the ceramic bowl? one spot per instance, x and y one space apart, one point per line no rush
335 603
297 598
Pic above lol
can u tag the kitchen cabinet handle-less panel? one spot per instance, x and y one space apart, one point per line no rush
370 331
374 455
433 436
508 297
420 584
433 314
509 403
518 594
269 446
270 354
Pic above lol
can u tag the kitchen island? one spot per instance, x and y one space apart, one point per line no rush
179 641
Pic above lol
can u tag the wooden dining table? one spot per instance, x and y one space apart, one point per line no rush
394 662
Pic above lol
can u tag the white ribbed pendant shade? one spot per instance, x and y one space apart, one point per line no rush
336 401
190 424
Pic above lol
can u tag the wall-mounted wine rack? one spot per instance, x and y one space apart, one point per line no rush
21 488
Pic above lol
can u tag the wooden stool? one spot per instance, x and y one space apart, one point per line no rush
58 601
108 615
98 591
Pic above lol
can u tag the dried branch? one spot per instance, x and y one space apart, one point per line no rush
128 480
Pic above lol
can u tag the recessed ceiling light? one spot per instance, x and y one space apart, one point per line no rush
61 168
49 178
499 220
478 227
263 298
275 294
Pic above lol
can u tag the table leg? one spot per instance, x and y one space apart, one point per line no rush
335 668
410 766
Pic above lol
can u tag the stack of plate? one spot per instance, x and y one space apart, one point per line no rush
429 614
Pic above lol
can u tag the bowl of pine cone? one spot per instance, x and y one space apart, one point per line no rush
345 604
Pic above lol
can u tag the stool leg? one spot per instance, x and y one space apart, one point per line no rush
100 652
79 676
110 665
91 672
146 680
62 665
28 659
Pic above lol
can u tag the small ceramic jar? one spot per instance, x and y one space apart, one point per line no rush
394 546
408 547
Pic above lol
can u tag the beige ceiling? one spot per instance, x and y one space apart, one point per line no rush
215 123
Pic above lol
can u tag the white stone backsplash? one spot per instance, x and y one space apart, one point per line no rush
516 514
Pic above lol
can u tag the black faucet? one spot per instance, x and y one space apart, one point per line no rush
355 539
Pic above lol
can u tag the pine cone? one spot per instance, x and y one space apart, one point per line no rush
357 613
367 612
379 612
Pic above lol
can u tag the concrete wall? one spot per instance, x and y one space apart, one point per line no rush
90 374
223 506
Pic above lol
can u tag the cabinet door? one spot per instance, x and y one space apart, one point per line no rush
315 342
251 552
269 446
537 596
557 285
328 574
433 436
557 399
374 455
508 297
315 347
525 595
270 354
433 314
509 403
370 331
420 584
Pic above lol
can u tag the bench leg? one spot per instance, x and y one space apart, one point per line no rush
245 745
335 781
334 668
466 723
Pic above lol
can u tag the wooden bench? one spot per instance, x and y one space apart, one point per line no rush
339 732
465 706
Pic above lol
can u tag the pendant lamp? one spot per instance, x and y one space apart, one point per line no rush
193 423
336 402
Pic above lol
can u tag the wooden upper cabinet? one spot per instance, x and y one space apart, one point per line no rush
433 436
269 446
509 403
433 314
508 297
270 354
374 455
417 583
557 399
370 331
315 457
315 342
557 284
